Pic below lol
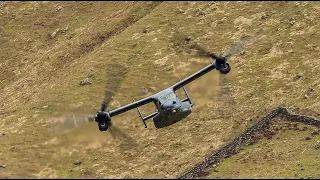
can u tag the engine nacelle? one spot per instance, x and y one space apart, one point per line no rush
225 68
221 60
103 119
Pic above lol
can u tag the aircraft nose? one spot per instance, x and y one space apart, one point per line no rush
170 107
171 110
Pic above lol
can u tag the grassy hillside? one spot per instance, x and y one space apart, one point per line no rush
288 151
47 48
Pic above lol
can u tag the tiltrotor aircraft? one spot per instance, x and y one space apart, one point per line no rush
169 108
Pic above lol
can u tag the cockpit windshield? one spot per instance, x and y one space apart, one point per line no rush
166 97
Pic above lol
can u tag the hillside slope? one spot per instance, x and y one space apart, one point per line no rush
47 48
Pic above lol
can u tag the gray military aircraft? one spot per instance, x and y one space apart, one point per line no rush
169 108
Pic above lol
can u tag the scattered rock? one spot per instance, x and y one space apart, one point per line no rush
197 125
265 16
95 158
85 81
298 77
308 92
3 166
145 90
309 177
65 30
145 31
308 138
58 8
77 163
188 38
53 35
44 107
71 170
292 23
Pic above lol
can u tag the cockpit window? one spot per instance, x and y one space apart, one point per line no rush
167 97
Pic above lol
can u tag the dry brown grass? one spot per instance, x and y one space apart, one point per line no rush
40 79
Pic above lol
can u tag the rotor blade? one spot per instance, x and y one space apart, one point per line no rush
225 97
116 132
116 74
225 89
201 50
111 127
183 43
238 46
68 122
126 143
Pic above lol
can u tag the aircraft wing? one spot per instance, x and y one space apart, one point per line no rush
193 77
130 106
